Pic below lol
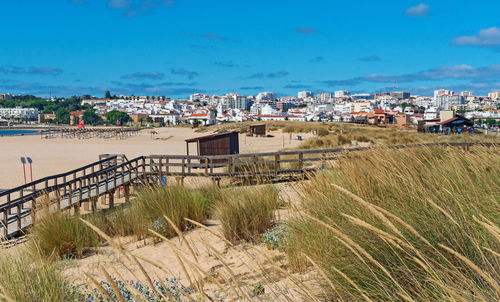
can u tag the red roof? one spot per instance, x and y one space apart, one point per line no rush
452 119
77 113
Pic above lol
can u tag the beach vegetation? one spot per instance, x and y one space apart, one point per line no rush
246 213
419 224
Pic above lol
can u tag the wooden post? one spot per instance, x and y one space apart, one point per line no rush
276 165
206 166
111 199
70 195
80 193
19 209
33 210
167 161
183 166
144 168
127 193
93 203
323 160
160 167
5 224
301 163
65 186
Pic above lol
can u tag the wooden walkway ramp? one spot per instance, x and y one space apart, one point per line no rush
20 207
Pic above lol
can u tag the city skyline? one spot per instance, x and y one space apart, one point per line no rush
176 48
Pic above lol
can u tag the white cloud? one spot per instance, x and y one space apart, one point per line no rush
485 37
421 10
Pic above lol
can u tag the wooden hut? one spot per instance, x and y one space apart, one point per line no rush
257 130
216 144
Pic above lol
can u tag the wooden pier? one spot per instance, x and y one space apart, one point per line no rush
114 173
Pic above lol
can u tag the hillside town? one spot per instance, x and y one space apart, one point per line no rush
397 107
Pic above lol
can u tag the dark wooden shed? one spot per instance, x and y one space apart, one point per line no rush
257 130
216 144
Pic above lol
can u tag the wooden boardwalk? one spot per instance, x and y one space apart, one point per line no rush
20 207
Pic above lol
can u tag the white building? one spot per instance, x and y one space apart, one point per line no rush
446 102
324 97
440 92
18 112
263 96
305 94
342 93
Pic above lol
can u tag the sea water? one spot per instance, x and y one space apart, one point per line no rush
17 132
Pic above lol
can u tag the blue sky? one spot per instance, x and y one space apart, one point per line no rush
178 47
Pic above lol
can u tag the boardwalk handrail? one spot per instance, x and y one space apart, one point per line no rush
163 165
48 178
79 189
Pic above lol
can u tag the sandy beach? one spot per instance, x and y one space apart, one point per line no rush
53 156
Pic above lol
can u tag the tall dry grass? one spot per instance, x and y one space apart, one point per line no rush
245 213
419 224
25 280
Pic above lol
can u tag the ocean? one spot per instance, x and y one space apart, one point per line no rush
17 132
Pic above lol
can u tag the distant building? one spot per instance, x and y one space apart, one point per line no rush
5 96
342 93
400 95
362 96
263 96
441 92
494 95
447 102
42 118
324 97
94 102
19 113
305 94
466 94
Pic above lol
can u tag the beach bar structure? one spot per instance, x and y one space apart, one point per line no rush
216 144
257 130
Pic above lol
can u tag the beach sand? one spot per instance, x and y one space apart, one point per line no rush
54 156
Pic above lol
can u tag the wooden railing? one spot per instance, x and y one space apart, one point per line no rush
270 164
18 206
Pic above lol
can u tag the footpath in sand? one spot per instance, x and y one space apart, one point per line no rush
54 156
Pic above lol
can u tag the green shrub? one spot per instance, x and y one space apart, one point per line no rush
245 213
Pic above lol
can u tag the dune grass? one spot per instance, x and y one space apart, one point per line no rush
419 224
246 213
60 235
27 281
148 208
